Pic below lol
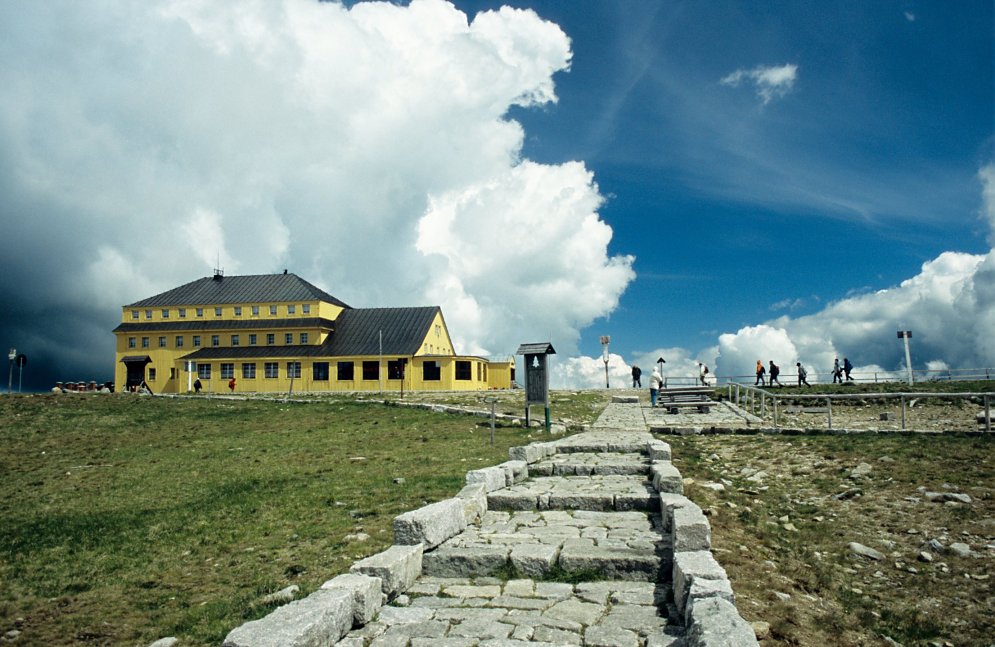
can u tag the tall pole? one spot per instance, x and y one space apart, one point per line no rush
605 340
906 334
11 356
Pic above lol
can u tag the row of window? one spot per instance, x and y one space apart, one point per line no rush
345 371
181 313
234 340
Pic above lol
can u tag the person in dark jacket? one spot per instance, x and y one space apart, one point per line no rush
637 373
772 374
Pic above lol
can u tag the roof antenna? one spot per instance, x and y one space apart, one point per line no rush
219 272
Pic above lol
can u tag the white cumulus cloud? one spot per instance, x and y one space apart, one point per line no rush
367 148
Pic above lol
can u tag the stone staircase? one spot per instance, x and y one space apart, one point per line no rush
586 540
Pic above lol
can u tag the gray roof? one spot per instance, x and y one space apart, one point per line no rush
257 288
539 348
357 331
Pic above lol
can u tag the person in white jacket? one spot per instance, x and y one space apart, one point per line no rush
656 383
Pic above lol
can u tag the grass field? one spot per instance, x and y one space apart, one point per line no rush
126 519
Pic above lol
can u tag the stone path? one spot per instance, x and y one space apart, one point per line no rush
586 540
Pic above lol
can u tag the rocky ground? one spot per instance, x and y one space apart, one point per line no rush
867 539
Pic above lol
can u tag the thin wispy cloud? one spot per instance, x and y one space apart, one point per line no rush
770 82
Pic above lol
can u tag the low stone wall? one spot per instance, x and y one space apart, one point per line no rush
702 595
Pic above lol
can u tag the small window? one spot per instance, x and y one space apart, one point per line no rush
288 338
151 374
371 370
165 313
306 308
132 342
204 371
271 369
215 340
182 313
395 369
272 311
162 342
200 312
238 311
431 371
319 371
480 371
172 373
145 342
227 370
255 311
148 314
345 371
234 340
291 309
179 341
463 370
217 312
270 339
252 340
294 369
303 337
134 314
196 341
248 371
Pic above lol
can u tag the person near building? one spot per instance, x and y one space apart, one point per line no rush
231 385
197 386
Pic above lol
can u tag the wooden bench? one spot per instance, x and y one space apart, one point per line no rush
675 399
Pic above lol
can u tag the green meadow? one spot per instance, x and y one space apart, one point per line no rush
126 519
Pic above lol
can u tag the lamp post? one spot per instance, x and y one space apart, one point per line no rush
605 340
11 356
906 334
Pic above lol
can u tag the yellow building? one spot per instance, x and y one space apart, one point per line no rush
277 333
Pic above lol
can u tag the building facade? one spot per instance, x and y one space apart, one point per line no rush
277 333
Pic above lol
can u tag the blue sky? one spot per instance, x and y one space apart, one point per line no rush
864 170
707 181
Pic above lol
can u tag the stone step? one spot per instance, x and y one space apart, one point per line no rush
588 463
596 492
485 611
613 545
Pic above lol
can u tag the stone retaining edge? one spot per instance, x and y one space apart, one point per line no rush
352 599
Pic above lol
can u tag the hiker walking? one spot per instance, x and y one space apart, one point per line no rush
656 383
702 374
847 367
802 374
775 370
760 374
637 373
837 371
